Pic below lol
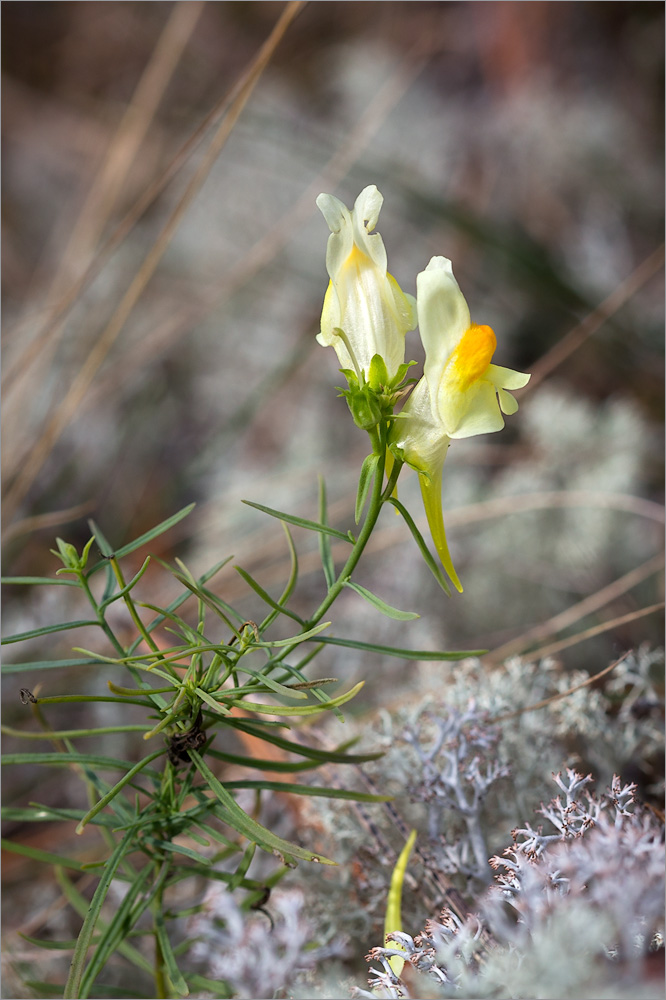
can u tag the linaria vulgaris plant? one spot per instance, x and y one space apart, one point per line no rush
167 818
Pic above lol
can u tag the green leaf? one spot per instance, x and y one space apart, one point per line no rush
245 863
71 990
300 522
60 734
264 764
273 685
19 668
386 609
320 791
403 654
141 540
46 630
37 580
126 778
46 814
298 709
168 845
293 573
368 470
254 728
116 931
301 637
90 760
38 855
53 945
215 986
420 541
168 956
325 553
266 597
217 706
81 905
128 586
245 825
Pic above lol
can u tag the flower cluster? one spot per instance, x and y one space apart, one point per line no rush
365 319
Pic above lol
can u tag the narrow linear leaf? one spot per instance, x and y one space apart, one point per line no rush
252 706
420 541
104 801
34 581
299 522
35 633
19 668
81 905
266 597
244 824
245 863
293 572
148 536
73 983
380 605
263 679
168 956
323 756
214 986
320 791
55 758
301 637
264 764
38 855
46 814
169 846
364 483
403 654
61 734
217 706
114 933
54 945
117 689
128 586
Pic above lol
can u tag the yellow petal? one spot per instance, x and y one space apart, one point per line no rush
431 491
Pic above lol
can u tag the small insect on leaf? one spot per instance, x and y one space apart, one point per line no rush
27 696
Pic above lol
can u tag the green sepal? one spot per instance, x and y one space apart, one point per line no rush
365 408
378 376
399 376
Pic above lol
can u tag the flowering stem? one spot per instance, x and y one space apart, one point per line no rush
377 498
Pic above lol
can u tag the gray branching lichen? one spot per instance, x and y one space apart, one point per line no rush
456 772
574 911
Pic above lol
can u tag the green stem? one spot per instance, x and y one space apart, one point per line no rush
104 625
377 498
129 603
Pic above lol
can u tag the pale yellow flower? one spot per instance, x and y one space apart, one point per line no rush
461 393
363 300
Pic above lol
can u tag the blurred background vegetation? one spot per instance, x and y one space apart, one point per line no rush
159 316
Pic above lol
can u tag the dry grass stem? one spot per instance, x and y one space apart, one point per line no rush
577 611
33 462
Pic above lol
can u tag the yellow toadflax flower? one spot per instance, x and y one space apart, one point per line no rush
461 393
365 312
